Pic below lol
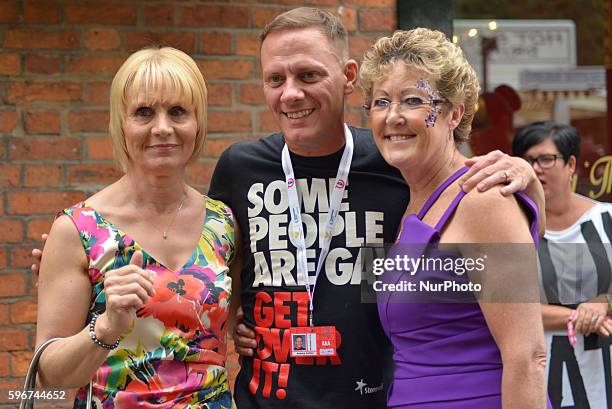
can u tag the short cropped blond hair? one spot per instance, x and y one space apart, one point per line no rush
310 17
157 71
428 51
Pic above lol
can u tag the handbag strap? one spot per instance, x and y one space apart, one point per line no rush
30 379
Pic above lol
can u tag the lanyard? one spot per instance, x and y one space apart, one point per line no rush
296 230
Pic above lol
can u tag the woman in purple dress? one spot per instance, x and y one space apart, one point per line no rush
421 96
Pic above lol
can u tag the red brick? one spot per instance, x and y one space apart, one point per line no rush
349 19
159 15
9 175
358 45
302 2
41 202
5 386
11 285
100 64
11 231
377 20
44 91
102 39
20 361
252 94
215 16
98 93
263 15
247 44
93 173
88 121
34 38
8 121
9 12
100 13
215 147
371 3
13 339
42 64
9 64
354 119
226 69
21 257
219 94
99 147
234 121
4 364
36 227
267 122
3 261
216 43
44 148
355 99
42 175
23 312
4 315
41 12
200 173
182 40
42 122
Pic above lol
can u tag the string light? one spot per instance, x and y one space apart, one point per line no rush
492 25
473 32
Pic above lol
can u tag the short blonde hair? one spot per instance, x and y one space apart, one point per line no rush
154 71
310 17
428 51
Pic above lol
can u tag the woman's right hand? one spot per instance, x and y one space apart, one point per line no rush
127 289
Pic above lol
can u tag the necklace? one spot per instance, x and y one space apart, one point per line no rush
165 232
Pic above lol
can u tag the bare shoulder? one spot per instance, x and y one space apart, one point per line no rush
489 217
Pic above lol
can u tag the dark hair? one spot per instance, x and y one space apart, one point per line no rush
565 138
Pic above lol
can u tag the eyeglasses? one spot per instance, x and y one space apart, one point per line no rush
383 105
544 161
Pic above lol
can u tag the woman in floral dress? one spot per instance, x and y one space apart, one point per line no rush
136 279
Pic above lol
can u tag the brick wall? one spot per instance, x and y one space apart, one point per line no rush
57 59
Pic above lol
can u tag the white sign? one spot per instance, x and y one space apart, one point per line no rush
521 45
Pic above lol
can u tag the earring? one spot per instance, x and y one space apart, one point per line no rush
450 134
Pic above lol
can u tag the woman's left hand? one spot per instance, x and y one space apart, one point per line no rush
591 315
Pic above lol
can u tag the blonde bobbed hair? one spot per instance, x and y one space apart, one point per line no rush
154 73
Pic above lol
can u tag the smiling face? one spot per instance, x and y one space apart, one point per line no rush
160 132
556 179
410 135
305 83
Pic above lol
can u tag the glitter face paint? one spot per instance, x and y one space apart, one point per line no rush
432 94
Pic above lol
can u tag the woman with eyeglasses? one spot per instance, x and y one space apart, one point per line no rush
452 349
575 266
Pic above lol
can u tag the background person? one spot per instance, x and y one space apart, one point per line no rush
130 260
421 94
575 267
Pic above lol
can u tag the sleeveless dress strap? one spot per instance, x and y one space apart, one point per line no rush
436 194
449 211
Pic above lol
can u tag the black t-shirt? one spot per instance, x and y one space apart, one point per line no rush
249 178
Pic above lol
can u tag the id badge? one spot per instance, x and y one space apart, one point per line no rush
313 341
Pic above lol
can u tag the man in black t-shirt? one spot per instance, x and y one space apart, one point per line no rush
307 75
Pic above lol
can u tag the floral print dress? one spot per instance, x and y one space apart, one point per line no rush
174 354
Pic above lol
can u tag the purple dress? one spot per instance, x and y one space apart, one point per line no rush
445 356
